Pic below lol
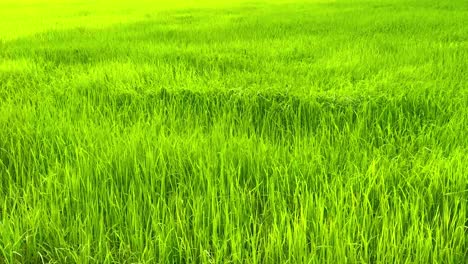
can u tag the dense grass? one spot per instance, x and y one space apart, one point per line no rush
244 132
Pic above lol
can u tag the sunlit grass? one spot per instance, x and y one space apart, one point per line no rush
238 132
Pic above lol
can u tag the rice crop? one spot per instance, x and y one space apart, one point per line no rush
294 131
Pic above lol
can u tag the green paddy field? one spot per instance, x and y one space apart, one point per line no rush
297 131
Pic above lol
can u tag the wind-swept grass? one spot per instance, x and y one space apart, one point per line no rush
240 132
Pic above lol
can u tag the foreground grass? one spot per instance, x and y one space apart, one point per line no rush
300 132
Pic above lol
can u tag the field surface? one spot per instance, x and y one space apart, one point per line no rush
299 131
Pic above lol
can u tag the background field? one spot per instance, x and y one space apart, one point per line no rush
238 132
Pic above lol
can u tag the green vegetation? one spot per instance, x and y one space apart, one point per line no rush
241 132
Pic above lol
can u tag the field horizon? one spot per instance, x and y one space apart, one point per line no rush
233 132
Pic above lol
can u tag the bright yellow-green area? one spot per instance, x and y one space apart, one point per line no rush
20 18
295 131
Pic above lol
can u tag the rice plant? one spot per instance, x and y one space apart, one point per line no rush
314 131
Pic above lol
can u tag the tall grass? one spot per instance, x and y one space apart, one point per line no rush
266 132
